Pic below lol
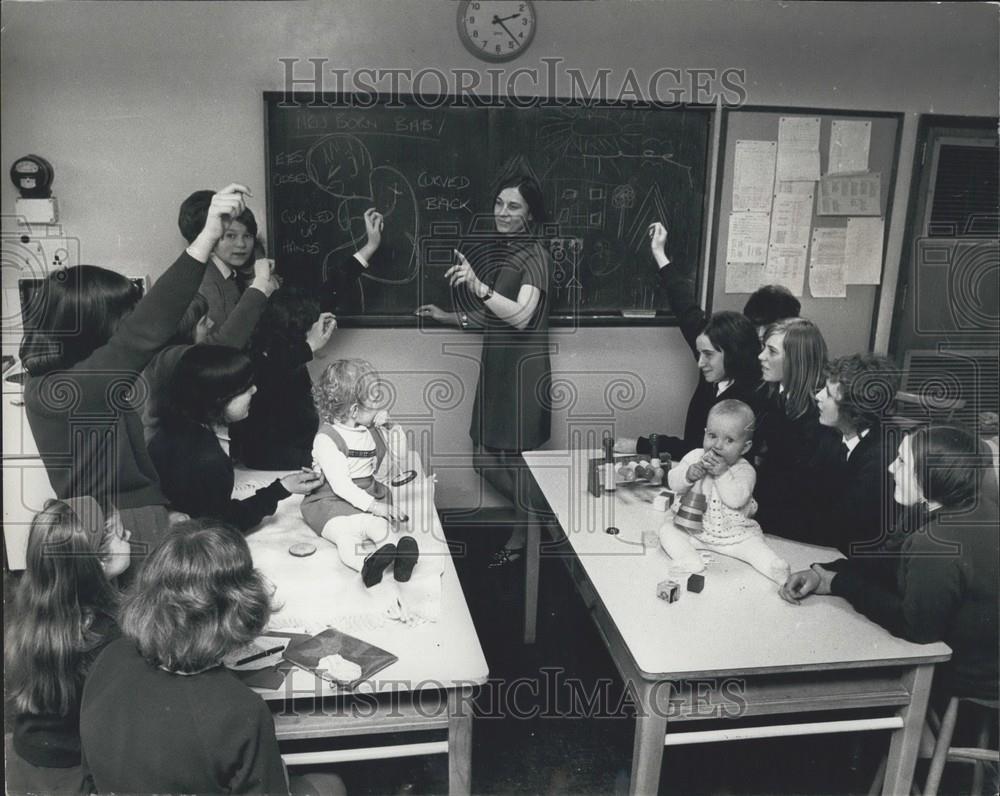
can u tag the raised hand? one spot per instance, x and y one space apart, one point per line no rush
320 332
658 242
462 274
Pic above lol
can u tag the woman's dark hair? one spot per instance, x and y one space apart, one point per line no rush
950 464
735 336
288 316
868 386
207 377
81 308
197 599
197 309
770 304
529 189
61 590
194 211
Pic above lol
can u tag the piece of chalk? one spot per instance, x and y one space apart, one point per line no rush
302 549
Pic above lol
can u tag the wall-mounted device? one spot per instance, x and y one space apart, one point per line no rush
32 176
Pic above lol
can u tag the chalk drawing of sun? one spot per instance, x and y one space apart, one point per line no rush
595 137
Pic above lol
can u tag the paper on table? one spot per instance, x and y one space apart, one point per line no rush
791 219
826 263
747 237
863 251
786 265
798 148
849 145
850 195
743 277
753 175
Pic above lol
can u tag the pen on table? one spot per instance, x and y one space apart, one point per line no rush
262 654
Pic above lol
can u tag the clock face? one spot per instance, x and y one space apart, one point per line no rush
496 30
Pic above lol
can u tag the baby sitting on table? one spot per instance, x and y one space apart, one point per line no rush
353 508
727 480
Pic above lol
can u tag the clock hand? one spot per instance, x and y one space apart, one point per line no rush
498 21
504 19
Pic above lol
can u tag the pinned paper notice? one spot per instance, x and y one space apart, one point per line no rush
863 251
798 148
786 265
747 237
826 263
849 145
743 277
791 218
850 195
753 175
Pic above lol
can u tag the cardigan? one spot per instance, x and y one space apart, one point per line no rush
941 586
146 730
84 420
198 477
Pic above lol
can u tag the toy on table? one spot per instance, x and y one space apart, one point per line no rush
692 510
606 473
668 590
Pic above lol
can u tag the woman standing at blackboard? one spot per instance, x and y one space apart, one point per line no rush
510 286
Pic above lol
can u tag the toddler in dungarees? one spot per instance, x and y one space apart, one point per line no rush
352 447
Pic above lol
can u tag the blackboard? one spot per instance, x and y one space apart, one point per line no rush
607 172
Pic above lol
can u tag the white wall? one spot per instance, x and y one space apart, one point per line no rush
137 104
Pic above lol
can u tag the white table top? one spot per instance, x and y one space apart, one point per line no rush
320 590
738 624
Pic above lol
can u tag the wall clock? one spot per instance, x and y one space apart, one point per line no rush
496 30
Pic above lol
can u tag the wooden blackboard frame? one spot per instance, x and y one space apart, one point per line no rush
661 317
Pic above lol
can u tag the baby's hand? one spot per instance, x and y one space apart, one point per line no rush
695 472
382 509
714 464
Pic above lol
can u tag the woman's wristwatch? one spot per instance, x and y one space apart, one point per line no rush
489 294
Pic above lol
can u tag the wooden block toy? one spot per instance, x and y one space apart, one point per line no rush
695 583
669 590
663 501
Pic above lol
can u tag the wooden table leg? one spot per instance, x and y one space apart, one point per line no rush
532 569
647 748
459 742
905 741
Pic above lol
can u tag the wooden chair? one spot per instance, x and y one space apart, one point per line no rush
935 744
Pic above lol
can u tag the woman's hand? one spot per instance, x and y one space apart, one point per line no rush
626 444
320 332
303 482
462 274
374 222
658 243
382 509
434 312
225 206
